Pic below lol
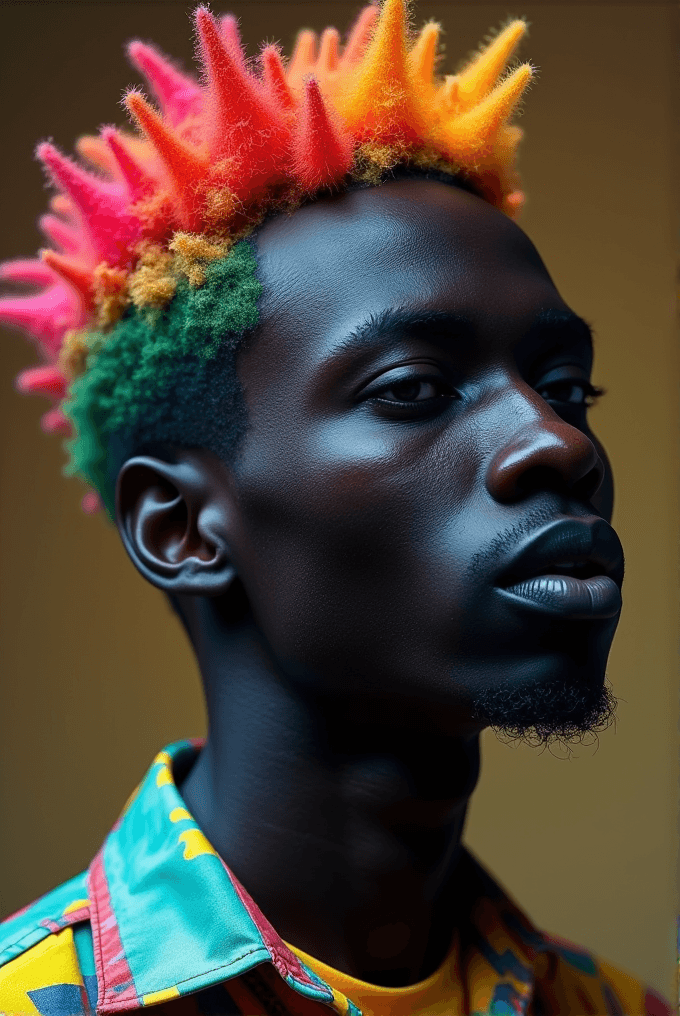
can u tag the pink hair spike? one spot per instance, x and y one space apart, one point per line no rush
54 422
113 230
46 316
30 271
74 273
61 235
42 381
179 95
139 182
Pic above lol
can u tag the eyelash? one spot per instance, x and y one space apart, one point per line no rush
445 391
591 392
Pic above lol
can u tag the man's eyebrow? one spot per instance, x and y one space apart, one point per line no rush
402 321
562 321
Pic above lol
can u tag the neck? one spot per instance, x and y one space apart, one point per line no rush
342 820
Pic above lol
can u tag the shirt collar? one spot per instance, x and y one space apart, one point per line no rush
157 880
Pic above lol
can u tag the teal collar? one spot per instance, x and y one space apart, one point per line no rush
168 917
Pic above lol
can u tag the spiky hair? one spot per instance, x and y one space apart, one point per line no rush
164 204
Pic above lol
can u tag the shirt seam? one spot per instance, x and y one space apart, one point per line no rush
221 966
111 1003
25 957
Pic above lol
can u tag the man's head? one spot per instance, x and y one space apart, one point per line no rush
416 444
358 410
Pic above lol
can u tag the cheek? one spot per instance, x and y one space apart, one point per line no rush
340 542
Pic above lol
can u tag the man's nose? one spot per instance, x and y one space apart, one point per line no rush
546 454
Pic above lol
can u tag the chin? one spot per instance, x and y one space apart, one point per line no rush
546 700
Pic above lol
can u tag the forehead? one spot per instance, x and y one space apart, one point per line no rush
417 244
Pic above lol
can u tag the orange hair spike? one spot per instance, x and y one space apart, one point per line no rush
227 149
186 167
360 35
93 151
62 206
303 60
329 51
424 53
384 107
471 135
480 76
77 275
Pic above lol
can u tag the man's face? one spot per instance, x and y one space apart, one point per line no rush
417 454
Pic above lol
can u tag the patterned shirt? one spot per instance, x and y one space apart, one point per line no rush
158 919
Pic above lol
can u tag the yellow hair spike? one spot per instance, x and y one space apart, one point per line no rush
471 135
479 77
446 99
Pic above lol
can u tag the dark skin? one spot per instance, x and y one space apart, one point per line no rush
416 392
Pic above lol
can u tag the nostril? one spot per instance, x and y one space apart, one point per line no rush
541 478
588 485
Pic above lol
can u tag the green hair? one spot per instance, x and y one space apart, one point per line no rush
165 376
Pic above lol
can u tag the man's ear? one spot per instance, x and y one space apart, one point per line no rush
173 518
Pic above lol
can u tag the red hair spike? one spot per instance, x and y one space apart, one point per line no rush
274 77
322 154
241 116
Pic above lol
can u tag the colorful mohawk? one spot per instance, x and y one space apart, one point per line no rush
218 154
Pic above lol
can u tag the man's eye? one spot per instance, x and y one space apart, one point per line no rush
413 390
570 392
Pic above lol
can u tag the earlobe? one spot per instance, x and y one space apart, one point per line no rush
173 518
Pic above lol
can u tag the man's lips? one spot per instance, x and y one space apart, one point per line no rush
573 568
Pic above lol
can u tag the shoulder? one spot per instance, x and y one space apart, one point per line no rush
576 978
43 964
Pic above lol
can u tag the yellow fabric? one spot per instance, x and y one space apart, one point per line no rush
440 994
54 961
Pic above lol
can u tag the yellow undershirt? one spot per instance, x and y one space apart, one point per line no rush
440 994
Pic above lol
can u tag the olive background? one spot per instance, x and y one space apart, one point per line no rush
97 675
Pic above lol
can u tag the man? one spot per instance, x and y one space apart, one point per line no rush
339 411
